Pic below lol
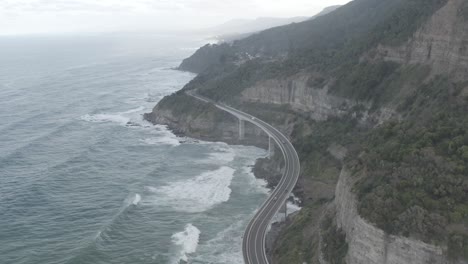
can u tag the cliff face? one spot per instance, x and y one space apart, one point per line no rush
206 57
441 43
306 104
210 124
295 92
370 245
315 100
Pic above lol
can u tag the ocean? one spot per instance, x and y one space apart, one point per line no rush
84 179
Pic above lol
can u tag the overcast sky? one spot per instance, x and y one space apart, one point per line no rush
65 16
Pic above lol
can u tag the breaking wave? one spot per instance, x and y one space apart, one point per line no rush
121 118
198 194
137 199
225 247
186 242
222 153
163 137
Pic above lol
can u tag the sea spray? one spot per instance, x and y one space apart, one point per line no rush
121 118
197 194
137 199
186 242
83 176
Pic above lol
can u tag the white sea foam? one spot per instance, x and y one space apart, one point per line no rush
135 110
121 118
162 141
225 247
256 184
137 199
292 208
221 154
197 194
105 118
163 137
186 242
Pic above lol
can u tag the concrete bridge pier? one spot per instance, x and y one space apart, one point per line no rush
284 211
271 147
241 129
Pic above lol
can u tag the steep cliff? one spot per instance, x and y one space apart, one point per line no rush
309 94
203 121
370 245
441 43
385 80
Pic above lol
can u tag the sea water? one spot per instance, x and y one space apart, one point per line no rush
84 179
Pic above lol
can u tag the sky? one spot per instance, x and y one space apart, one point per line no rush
20 17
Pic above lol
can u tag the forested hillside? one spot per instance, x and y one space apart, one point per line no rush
402 121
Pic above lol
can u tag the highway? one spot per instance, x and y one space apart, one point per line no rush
253 244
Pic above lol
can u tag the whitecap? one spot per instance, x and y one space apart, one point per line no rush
225 247
105 118
186 242
221 154
121 118
135 110
163 137
162 141
257 185
137 199
197 194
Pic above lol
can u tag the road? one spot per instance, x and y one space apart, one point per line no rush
253 245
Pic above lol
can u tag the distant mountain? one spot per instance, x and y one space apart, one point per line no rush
326 10
374 98
242 28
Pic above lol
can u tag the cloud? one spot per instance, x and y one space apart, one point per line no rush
24 16
39 6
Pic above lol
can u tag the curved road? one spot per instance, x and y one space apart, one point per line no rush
253 245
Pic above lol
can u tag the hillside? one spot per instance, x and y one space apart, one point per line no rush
241 28
374 97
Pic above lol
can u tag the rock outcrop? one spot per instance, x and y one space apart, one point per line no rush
295 92
210 124
441 43
206 57
370 245
317 102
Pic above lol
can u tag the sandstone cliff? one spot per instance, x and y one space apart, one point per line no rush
300 95
441 43
302 103
205 122
370 245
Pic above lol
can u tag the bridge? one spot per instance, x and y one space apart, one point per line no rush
253 244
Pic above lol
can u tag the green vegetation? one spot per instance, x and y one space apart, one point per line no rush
364 81
458 246
359 28
414 174
182 104
402 23
295 246
381 83
312 147
334 245
463 11
325 44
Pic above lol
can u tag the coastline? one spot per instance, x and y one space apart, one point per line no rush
225 130
264 168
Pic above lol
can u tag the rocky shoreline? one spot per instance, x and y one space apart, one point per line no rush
268 169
